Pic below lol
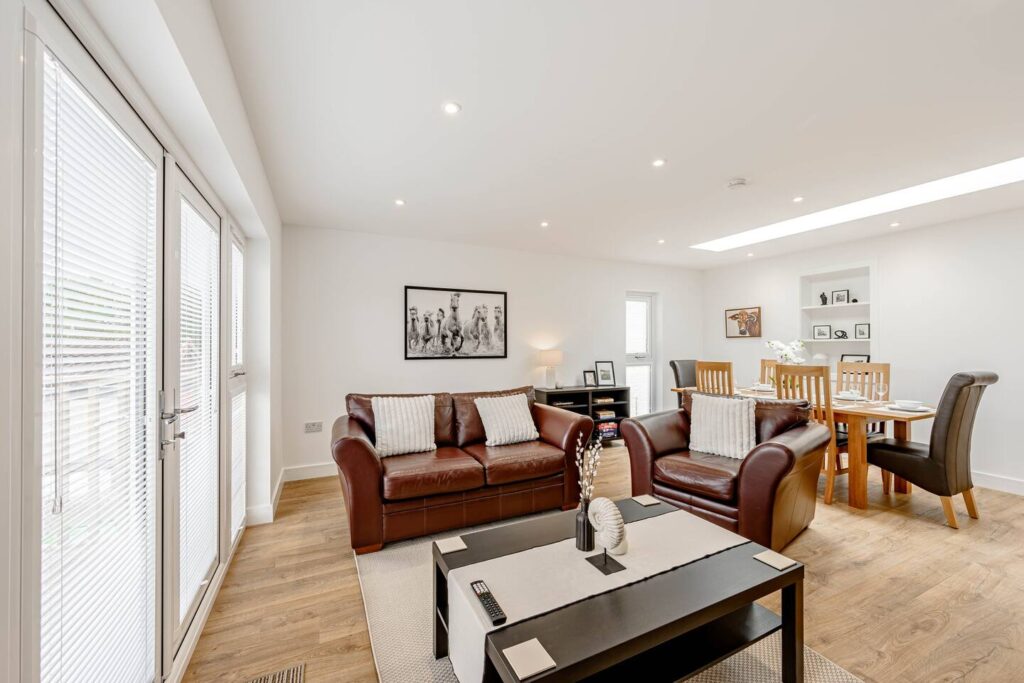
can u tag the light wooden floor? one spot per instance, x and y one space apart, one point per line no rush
892 594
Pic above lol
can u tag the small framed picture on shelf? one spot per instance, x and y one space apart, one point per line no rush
605 370
589 378
840 296
855 358
862 331
821 332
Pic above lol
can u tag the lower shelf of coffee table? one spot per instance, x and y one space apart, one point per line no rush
703 647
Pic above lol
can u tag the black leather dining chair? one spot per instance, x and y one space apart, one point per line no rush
686 375
942 467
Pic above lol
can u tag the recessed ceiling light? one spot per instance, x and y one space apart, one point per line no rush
544 224
658 163
894 224
452 108
797 200
997 175
749 254
661 241
399 202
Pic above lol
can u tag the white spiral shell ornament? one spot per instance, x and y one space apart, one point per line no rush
609 529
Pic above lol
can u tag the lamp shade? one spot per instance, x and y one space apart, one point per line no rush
550 358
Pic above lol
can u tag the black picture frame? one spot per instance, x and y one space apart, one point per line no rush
590 378
609 367
858 328
457 349
816 328
846 298
855 358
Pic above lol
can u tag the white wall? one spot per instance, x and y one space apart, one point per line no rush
344 320
945 299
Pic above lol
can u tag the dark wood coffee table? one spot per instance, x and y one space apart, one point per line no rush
670 626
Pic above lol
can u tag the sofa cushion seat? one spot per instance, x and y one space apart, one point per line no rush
442 470
518 461
712 476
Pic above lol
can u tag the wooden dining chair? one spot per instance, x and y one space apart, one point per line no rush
863 378
767 369
811 383
714 377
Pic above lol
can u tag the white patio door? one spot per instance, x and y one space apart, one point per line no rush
191 404
640 352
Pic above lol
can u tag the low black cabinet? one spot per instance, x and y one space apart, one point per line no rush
608 406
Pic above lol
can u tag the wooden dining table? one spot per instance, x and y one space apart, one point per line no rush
857 415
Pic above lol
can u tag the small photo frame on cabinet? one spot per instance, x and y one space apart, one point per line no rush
589 378
840 296
855 358
862 331
605 370
821 332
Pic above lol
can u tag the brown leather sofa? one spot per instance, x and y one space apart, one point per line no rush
768 496
460 483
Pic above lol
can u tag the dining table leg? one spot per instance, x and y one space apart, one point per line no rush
901 431
857 452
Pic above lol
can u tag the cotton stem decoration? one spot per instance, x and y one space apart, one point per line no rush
588 457
791 353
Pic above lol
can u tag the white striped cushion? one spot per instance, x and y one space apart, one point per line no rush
403 424
722 426
506 419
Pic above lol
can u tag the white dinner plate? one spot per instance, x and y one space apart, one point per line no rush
921 409
850 398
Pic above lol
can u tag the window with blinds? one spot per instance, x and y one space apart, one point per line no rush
639 352
237 292
237 463
199 479
99 421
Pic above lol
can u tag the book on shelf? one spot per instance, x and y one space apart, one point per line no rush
559 404
604 399
604 414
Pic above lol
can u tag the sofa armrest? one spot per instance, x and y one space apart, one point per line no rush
648 438
362 475
562 429
762 474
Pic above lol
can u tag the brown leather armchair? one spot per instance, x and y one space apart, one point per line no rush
462 482
942 467
768 496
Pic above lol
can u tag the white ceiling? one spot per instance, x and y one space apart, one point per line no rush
567 102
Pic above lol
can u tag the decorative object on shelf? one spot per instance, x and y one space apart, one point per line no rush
588 457
854 301
589 378
454 323
605 370
862 331
824 299
855 358
609 529
550 359
840 296
840 334
743 322
821 332
788 354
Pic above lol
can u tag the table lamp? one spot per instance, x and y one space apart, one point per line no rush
551 359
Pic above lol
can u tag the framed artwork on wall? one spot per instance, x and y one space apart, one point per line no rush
821 332
862 331
841 296
741 323
605 370
455 323
855 358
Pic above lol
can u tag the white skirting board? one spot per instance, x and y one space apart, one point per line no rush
300 472
264 514
998 482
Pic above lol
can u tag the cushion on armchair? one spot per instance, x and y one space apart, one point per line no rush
722 426
507 419
404 424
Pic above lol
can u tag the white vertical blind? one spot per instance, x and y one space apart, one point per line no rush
198 507
237 292
237 462
99 450
639 352
638 379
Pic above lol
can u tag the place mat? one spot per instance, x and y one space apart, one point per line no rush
450 545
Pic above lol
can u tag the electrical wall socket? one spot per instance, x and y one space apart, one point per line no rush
314 427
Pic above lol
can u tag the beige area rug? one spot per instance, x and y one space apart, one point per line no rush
398 594
294 674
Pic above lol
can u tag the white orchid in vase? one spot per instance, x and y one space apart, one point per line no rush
790 354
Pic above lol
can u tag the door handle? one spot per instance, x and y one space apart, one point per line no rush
174 437
182 411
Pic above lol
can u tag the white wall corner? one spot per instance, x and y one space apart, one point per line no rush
317 471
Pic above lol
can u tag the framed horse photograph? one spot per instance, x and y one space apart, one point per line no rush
743 323
455 323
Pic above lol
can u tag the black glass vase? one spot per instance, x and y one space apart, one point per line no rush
584 531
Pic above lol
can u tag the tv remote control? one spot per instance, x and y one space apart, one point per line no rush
494 610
